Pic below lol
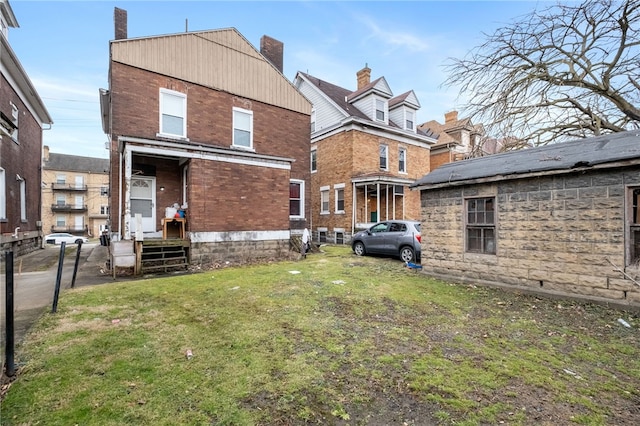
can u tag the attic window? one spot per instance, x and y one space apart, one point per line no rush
380 110
409 120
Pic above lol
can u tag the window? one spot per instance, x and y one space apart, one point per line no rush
314 160
313 120
384 151
14 120
322 235
339 236
339 189
61 179
104 191
61 221
402 160
324 200
634 227
481 225
242 128
173 113
296 199
23 199
409 120
3 195
380 110
61 200
104 210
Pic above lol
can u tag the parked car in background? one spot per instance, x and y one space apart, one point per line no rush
60 237
399 238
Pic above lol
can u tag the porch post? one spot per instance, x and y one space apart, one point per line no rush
127 193
386 200
393 205
378 202
354 205
366 203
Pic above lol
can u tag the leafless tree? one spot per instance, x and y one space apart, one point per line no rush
568 71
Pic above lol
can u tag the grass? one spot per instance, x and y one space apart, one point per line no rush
347 340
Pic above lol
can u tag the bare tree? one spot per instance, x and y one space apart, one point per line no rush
568 71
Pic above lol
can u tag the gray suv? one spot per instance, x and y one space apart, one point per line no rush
392 237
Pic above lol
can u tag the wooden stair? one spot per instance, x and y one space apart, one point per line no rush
164 256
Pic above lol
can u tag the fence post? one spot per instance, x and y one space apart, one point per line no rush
10 345
56 294
75 267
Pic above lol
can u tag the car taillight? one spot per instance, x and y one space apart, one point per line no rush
419 238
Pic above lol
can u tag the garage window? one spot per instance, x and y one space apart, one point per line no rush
480 225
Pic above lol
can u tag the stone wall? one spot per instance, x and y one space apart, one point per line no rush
218 253
558 235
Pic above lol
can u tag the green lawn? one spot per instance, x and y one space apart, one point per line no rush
344 341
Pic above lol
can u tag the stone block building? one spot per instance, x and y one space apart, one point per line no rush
561 220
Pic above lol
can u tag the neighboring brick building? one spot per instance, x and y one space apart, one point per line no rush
205 121
22 118
365 152
457 139
75 194
563 219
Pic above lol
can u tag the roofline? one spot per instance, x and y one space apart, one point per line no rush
12 21
324 95
518 176
26 88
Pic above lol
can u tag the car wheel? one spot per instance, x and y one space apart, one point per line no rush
358 249
78 241
407 254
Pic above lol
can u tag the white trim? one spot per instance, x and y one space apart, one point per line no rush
238 236
233 128
183 97
338 185
336 188
302 200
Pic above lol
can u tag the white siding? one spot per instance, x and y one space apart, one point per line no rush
327 114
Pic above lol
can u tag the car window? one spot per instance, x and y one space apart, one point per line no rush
417 225
397 227
380 227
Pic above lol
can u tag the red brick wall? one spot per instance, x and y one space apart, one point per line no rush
277 132
22 158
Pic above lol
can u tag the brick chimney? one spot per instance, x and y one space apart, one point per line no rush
450 117
45 153
364 77
120 21
273 50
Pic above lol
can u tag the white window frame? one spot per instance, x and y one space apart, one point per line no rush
183 98
23 199
402 162
61 200
15 114
383 148
313 160
301 183
3 194
249 113
409 117
61 179
376 109
336 190
313 120
61 221
337 231
324 191
104 209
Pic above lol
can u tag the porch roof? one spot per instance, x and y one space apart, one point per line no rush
374 178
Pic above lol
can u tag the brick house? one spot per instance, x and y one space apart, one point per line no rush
22 118
365 152
457 139
75 194
562 220
205 122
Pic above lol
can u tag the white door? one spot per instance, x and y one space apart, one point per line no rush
143 194
79 182
79 202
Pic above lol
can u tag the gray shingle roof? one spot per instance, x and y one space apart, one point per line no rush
76 163
554 157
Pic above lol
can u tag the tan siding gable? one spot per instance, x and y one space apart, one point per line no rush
221 59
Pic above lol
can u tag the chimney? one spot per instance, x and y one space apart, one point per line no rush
120 20
450 117
273 50
45 153
364 77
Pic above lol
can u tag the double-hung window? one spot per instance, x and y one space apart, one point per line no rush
296 199
314 160
380 110
324 200
23 199
313 120
384 154
339 193
14 119
402 160
480 225
242 128
409 120
173 113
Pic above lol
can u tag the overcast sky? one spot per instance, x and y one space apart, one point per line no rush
64 47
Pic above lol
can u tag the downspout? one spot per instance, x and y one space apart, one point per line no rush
354 202
119 198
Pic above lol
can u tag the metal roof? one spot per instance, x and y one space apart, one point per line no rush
562 156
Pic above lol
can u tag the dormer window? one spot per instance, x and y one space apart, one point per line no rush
380 108
409 120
